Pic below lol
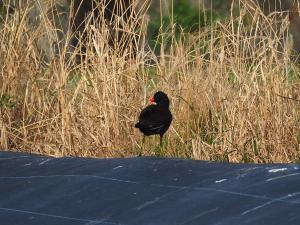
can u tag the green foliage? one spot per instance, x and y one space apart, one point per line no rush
187 17
183 18
6 102
2 9
73 80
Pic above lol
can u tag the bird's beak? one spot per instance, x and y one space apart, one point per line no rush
152 100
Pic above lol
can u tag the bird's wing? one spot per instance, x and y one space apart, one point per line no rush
147 112
154 128
150 120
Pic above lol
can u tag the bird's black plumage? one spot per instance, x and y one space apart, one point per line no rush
156 119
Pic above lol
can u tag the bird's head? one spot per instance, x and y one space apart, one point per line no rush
160 98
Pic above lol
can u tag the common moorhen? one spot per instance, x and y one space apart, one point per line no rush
156 118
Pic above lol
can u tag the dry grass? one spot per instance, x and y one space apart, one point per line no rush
233 91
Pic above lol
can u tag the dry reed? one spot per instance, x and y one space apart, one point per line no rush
233 88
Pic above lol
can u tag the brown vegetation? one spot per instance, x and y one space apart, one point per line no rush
234 96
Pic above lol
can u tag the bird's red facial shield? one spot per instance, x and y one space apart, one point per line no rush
152 100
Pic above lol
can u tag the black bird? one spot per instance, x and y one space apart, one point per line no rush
156 118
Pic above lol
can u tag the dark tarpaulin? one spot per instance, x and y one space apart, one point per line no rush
40 190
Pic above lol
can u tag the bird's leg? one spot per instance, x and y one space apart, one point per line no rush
161 139
142 147
143 144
